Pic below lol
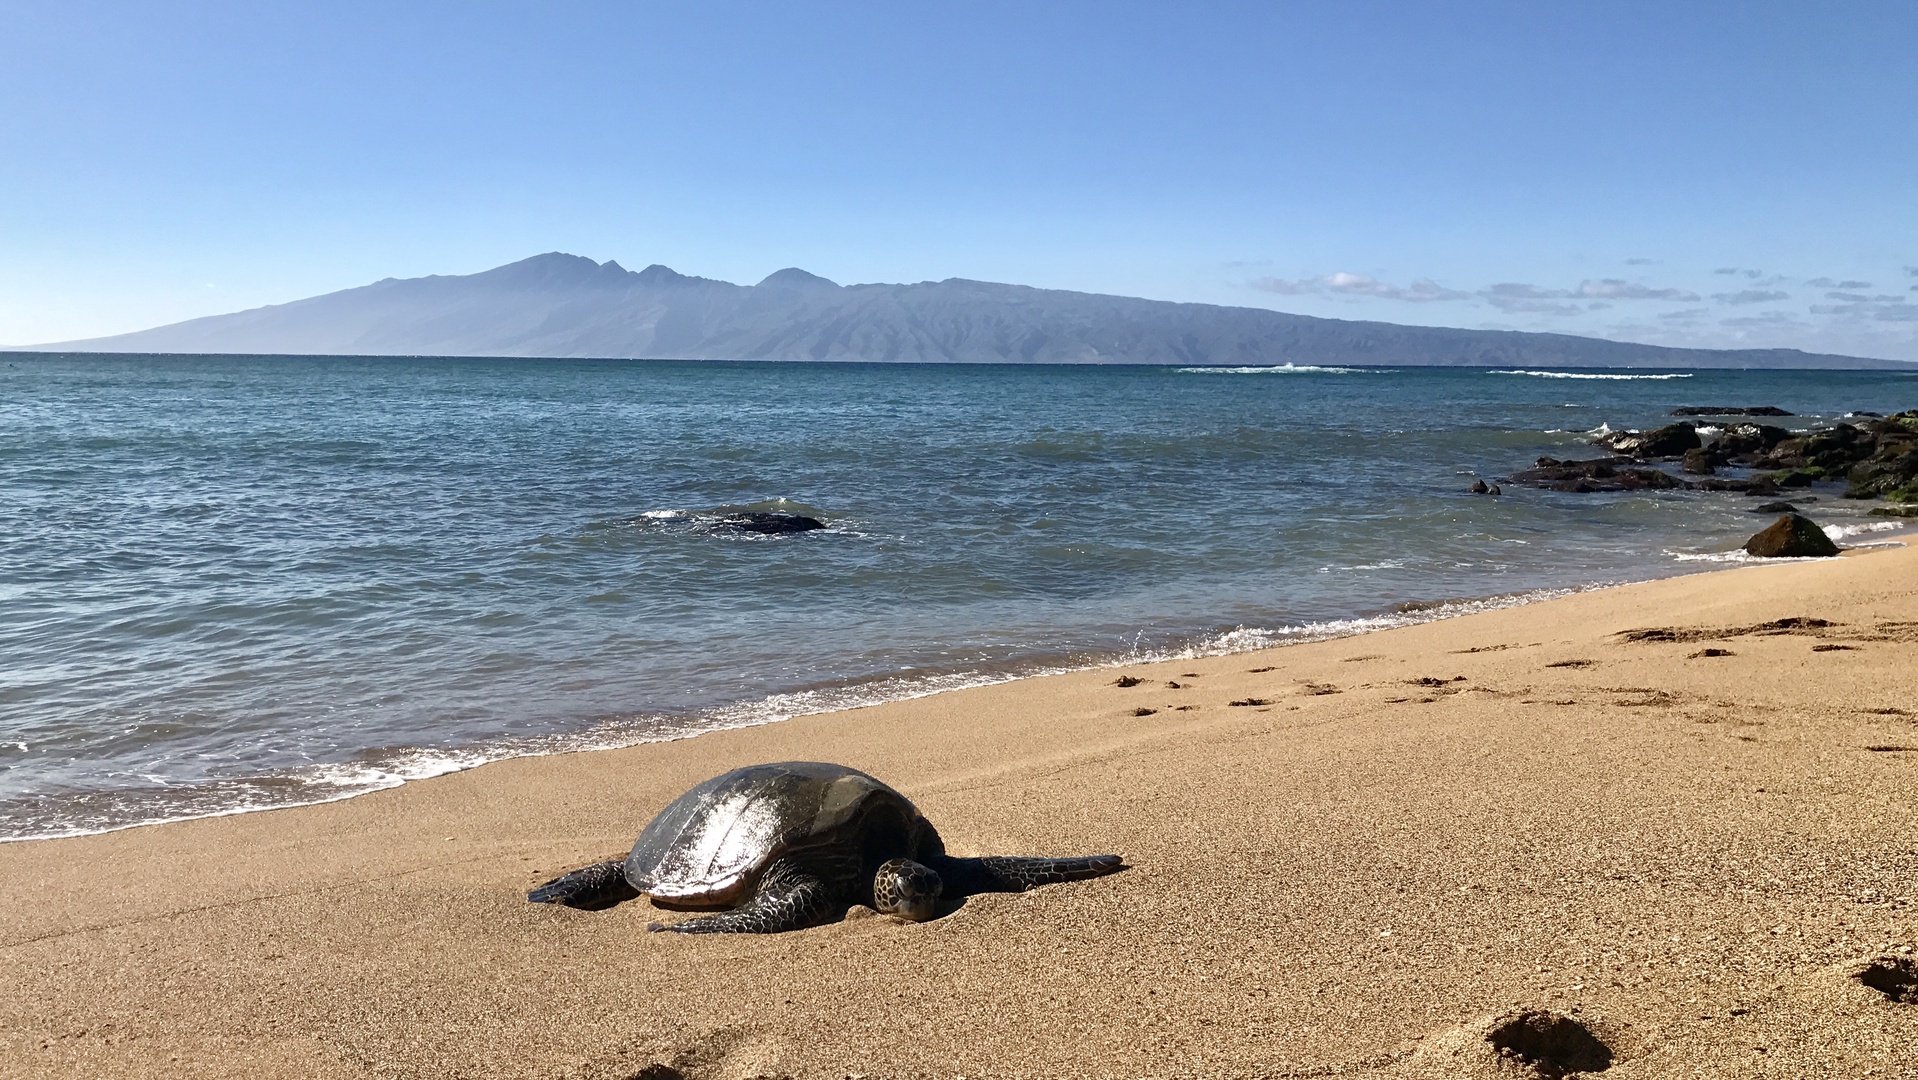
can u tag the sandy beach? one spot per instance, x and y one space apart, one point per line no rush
1360 857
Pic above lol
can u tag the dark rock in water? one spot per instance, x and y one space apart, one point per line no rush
1595 474
1743 487
1773 508
1494 490
1700 460
1730 410
1797 478
1669 441
1745 440
1891 467
1791 536
771 524
1478 488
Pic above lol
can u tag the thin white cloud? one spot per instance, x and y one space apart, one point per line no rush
1828 283
1768 320
1425 290
1751 296
1618 289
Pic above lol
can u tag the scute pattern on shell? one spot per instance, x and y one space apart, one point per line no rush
710 845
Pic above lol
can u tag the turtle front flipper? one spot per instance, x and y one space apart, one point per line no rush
788 899
590 888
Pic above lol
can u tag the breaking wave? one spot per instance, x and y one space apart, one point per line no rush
1589 375
1284 369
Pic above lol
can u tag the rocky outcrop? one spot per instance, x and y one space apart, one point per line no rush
1891 468
1791 536
1876 455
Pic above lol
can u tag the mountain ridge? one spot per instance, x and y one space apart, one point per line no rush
562 305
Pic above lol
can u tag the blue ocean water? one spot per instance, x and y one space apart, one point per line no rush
239 582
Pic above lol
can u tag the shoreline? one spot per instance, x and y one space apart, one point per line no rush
1350 856
619 731
414 764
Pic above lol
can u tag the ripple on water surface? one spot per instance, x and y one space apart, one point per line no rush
242 582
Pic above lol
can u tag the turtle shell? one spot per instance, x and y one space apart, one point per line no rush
710 845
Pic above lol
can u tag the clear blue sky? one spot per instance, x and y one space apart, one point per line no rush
1711 173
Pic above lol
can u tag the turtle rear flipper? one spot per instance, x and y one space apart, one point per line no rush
590 888
788 899
1009 873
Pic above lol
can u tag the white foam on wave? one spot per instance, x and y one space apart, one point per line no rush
1839 532
1283 369
1588 375
1253 638
1735 556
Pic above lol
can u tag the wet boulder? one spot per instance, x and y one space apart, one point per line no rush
1701 461
1791 536
1668 441
1891 470
768 523
1746 440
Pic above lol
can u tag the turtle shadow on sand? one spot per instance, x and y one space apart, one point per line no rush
781 847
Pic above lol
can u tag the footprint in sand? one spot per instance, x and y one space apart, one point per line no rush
1528 1043
1896 977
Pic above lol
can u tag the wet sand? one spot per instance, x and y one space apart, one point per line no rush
1407 839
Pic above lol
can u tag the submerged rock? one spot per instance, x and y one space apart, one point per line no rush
1730 410
1772 508
1791 536
1594 474
768 523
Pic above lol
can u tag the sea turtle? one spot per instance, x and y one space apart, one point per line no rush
792 845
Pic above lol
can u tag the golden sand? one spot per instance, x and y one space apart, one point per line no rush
1682 849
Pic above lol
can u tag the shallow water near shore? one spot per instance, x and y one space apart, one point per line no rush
233 582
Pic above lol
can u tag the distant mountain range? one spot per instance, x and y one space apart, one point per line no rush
566 305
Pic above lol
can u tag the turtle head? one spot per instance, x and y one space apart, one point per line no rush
906 889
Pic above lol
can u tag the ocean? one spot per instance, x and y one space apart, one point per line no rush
233 583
